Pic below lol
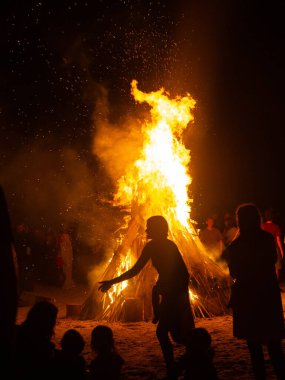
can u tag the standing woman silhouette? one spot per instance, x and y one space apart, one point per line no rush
255 297
175 314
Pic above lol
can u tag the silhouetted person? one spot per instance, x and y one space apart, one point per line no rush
197 362
51 272
273 228
38 246
24 258
155 298
8 291
255 296
212 239
107 363
69 363
65 252
175 314
34 349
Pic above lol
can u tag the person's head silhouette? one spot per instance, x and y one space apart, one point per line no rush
102 340
248 218
72 342
41 319
199 340
156 227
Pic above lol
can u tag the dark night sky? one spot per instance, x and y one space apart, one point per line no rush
56 55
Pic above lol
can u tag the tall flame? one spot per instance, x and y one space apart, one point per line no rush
157 183
159 178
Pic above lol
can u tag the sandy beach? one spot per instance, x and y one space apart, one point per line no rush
137 342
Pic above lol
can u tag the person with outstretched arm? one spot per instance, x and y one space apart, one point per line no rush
175 314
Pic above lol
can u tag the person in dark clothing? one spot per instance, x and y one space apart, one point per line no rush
197 362
69 363
155 299
8 291
107 363
34 349
274 229
255 296
23 247
175 314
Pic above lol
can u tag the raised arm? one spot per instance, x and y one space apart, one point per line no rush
141 262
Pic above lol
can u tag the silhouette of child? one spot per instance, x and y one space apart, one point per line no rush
69 363
107 363
34 349
197 362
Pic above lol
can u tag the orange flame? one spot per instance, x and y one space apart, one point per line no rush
157 182
160 177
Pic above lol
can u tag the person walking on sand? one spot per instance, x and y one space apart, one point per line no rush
175 314
255 296
212 239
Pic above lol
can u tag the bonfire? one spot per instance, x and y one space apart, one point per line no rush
157 183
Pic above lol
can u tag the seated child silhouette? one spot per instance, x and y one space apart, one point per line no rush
197 362
34 347
107 363
69 363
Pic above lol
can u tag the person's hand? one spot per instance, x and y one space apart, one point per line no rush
105 285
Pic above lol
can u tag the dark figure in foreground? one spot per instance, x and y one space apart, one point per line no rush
34 349
8 291
69 363
197 362
174 314
255 297
107 363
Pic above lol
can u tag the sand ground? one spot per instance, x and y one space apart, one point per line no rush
137 342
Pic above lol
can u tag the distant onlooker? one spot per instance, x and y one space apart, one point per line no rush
25 258
65 253
34 348
107 363
69 363
255 296
273 228
197 362
212 239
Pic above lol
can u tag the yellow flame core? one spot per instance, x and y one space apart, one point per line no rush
117 289
160 177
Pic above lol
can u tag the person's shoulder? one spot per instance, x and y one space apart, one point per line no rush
267 236
148 248
231 248
217 231
118 358
170 243
155 243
